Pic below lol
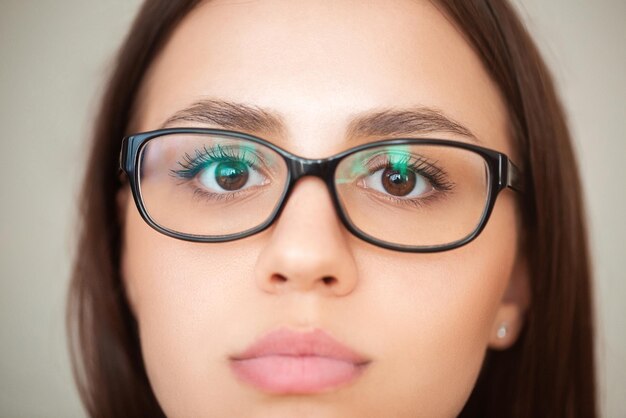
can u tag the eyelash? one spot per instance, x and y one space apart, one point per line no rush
191 166
435 175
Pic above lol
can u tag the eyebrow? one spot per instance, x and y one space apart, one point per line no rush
379 123
229 115
395 122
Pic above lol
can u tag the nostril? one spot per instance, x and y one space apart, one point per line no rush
329 279
278 278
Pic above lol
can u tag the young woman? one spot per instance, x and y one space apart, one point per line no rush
332 209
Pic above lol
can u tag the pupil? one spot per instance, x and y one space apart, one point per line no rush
231 175
397 183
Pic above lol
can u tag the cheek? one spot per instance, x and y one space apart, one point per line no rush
436 312
188 301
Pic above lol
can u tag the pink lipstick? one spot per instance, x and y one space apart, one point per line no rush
287 362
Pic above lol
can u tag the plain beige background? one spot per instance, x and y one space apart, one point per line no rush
54 56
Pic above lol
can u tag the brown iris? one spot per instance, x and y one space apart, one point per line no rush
231 175
398 183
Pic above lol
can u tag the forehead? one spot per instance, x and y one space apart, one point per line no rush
320 63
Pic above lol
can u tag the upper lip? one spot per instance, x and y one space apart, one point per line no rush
317 342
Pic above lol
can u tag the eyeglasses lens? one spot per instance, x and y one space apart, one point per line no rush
214 186
210 185
414 195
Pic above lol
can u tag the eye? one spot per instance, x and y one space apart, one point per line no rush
398 182
229 176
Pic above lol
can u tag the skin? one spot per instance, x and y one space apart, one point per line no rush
425 320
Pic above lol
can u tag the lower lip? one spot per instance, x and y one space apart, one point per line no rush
291 374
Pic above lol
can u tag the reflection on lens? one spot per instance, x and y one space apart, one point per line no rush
210 185
414 195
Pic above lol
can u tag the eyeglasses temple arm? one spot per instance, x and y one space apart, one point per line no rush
514 177
122 174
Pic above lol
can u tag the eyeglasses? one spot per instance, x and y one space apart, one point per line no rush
408 194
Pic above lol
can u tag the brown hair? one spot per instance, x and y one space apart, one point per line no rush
548 372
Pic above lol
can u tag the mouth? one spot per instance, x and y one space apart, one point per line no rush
288 362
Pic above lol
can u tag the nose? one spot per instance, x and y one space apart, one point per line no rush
308 246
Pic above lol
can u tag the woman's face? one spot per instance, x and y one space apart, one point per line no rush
424 321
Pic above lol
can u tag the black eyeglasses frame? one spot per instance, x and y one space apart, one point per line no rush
502 174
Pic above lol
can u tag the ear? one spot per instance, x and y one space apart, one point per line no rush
511 313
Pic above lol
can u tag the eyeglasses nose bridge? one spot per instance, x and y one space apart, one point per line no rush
300 167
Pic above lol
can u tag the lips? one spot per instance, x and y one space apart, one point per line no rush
284 361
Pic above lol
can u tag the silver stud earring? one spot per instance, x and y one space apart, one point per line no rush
502 330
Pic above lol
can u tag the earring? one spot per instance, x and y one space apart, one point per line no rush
502 330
